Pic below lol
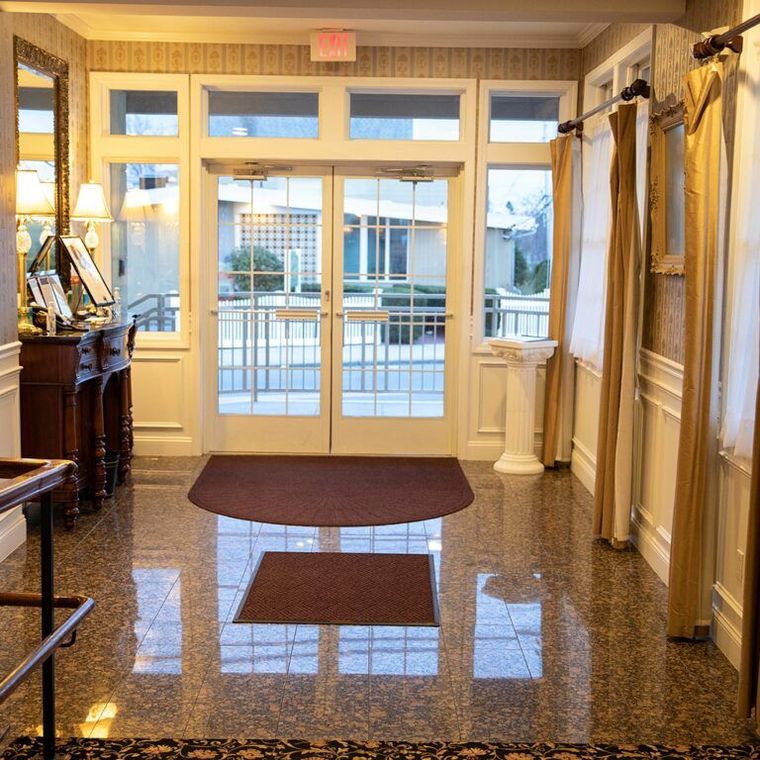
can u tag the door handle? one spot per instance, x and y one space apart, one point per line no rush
379 315
214 312
297 314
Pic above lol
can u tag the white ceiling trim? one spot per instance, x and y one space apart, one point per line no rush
375 39
589 33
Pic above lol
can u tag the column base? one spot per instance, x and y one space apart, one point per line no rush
518 464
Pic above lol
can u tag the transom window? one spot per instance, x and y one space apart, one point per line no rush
523 118
402 116
263 114
145 113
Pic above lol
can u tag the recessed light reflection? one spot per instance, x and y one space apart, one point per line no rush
97 724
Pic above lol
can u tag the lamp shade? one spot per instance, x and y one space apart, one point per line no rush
91 204
30 196
137 206
49 189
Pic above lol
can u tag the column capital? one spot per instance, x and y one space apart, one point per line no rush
522 351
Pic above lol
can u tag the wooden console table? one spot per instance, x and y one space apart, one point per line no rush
76 404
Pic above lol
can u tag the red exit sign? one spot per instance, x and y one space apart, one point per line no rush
333 45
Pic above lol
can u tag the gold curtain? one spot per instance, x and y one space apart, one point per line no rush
558 399
749 667
687 616
614 466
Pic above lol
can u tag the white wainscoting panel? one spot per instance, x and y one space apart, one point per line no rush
733 508
487 408
162 403
657 428
588 387
12 523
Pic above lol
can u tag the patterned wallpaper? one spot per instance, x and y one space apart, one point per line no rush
605 44
7 191
207 58
664 294
47 33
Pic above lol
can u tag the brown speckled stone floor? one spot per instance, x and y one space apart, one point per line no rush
544 634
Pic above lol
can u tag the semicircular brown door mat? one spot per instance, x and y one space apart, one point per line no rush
335 491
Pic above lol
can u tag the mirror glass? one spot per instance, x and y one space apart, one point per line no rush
42 142
667 194
676 194
36 143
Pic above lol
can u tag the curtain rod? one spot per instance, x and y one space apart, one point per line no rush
731 39
639 87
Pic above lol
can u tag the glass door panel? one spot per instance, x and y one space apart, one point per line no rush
270 319
393 316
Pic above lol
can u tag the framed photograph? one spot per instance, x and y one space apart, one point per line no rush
48 291
667 194
34 288
88 272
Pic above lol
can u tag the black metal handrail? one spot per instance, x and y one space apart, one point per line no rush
30 479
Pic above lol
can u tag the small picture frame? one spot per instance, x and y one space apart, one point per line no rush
667 195
34 288
87 270
47 291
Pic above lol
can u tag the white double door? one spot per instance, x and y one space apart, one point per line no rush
332 324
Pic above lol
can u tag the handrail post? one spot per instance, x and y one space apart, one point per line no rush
48 667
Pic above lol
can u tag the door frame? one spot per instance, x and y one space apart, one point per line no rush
296 434
413 436
334 142
359 435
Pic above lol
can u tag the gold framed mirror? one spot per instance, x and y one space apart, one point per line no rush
42 139
667 195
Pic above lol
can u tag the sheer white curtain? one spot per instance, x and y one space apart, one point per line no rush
587 341
743 308
642 145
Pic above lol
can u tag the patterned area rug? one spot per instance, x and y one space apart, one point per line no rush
265 749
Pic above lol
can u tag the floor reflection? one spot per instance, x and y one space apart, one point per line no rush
544 635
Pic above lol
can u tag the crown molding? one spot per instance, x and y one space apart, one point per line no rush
365 39
589 33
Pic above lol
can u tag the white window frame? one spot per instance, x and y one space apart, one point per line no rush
107 149
333 139
506 155
620 69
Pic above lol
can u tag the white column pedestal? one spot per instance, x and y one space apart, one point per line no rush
522 356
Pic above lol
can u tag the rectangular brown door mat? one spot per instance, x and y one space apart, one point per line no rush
335 588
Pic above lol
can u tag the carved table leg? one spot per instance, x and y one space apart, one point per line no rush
125 425
99 454
70 490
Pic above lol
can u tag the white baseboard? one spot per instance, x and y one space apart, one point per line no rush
650 550
727 637
164 446
583 465
12 532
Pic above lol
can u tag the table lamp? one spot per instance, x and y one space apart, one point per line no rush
137 209
91 207
31 201
47 222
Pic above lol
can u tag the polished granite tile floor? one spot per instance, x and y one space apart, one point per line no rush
545 635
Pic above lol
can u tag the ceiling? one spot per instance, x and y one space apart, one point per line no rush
442 23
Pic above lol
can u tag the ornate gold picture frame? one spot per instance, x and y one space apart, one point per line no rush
666 190
27 54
